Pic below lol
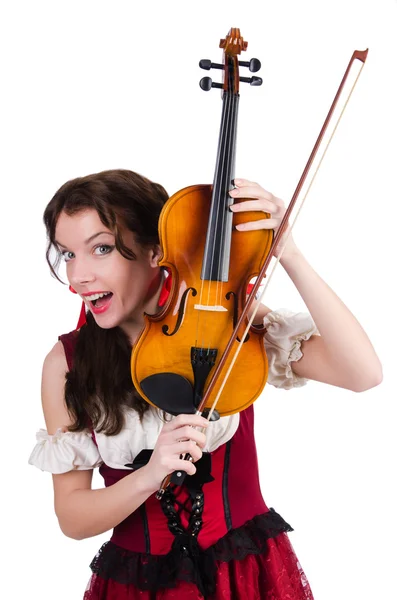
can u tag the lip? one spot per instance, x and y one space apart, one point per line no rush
95 292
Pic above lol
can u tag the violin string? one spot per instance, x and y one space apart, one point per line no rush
218 179
224 183
224 194
227 181
219 206
287 233
215 186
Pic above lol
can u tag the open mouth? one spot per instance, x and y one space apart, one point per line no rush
99 302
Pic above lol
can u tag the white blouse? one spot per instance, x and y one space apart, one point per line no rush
68 451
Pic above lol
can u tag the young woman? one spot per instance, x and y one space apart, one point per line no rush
213 537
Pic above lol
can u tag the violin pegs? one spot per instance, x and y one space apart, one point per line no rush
255 81
254 64
206 64
206 84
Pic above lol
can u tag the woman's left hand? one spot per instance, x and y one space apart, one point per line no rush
264 201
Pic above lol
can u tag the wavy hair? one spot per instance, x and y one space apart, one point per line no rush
99 384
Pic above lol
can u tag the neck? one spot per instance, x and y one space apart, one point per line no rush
149 306
151 302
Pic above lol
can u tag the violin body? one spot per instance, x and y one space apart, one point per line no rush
168 363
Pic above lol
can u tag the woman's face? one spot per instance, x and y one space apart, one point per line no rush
116 290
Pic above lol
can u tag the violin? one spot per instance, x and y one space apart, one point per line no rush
185 359
211 265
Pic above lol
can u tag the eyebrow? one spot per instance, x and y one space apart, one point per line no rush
90 239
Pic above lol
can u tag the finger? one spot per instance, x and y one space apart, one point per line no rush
251 191
239 182
183 465
261 224
188 447
183 420
258 205
182 434
188 433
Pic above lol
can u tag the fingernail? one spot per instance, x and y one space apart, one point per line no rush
237 181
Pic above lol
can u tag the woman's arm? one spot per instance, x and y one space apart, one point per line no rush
342 354
83 512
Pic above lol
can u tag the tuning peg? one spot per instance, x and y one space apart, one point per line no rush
206 64
206 84
252 80
254 64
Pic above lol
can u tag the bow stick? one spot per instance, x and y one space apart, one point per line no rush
360 55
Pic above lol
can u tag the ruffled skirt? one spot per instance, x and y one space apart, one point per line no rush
251 563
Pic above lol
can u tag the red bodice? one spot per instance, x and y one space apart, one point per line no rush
241 550
230 500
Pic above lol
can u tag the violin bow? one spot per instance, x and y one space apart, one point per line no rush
361 56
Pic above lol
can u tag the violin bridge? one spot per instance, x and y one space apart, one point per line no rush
215 308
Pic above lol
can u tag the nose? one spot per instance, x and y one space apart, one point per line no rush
80 273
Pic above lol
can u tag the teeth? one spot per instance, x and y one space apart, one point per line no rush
96 296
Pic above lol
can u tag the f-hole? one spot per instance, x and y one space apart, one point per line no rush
181 312
235 314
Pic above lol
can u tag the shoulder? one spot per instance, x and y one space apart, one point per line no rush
61 354
55 361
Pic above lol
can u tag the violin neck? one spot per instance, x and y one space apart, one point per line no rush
219 233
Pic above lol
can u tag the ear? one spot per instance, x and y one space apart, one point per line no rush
154 255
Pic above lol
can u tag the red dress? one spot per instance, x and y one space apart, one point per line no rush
212 538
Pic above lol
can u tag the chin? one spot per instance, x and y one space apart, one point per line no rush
106 321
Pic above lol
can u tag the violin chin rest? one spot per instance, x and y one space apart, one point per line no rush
170 392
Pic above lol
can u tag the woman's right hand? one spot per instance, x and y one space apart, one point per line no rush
176 437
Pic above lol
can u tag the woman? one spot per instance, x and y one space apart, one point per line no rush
213 537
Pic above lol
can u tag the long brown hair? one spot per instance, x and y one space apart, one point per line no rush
99 384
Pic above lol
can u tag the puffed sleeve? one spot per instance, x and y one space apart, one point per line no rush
64 451
285 331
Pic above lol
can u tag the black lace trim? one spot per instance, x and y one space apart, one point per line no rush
187 561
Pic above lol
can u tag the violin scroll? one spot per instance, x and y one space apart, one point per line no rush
232 45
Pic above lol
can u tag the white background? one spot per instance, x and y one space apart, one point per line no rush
91 85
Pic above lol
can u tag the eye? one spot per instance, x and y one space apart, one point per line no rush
67 256
103 249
